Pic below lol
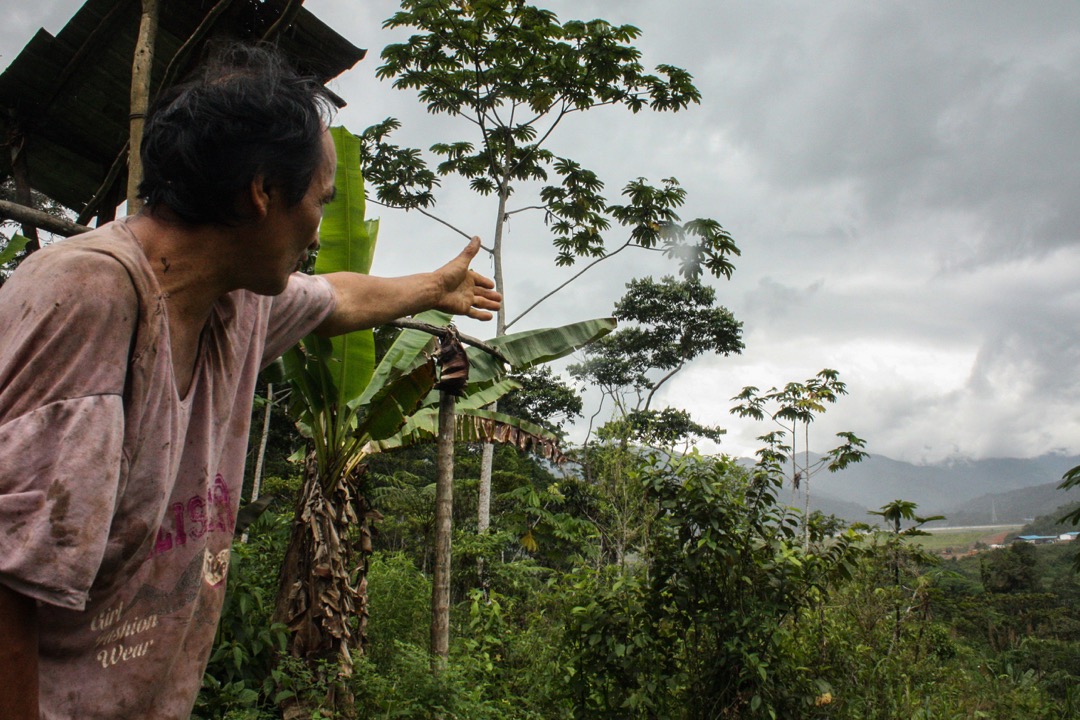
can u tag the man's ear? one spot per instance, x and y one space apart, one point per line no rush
259 196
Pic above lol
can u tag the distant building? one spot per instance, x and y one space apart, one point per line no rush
1066 537
1038 539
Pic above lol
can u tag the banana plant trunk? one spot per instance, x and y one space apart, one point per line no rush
320 601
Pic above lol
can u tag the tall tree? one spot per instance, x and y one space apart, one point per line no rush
1069 480
794 407
896 513
665 325
515 73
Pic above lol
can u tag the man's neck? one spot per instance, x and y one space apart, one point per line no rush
192 264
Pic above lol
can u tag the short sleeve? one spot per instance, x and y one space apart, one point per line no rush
305 303
66 322
59 478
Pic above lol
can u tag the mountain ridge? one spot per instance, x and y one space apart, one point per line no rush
965 491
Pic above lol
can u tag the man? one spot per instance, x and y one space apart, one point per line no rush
128 359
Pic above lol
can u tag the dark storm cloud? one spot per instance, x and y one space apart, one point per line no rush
950 108
902 177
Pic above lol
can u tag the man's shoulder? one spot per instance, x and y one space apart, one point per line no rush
98 266
102 248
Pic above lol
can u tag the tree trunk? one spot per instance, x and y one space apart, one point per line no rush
140 98
444 508
483 511
806 481
483 502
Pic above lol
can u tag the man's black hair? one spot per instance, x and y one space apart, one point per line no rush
245 112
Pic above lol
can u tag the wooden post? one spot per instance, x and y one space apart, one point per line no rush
21 174
140 98
260 458
444 508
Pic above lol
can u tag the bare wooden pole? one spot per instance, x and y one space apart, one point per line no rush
21 174
140 98
260 458
444 507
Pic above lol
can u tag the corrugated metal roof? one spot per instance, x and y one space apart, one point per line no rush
69 95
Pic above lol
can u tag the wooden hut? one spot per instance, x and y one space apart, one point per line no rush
72 105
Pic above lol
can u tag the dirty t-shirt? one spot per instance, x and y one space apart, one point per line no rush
118 497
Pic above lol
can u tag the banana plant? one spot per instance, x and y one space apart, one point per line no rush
13 247
348 406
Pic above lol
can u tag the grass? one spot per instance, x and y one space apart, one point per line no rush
959 540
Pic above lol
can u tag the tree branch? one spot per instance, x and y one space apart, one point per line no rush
648 399
422 211
523 209
575 277
406 324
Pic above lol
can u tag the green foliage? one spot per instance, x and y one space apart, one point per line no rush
715 602
242 679
516 72
542 398
1071 479
698 631
1013 569
797 405
12 248
899 510
672 322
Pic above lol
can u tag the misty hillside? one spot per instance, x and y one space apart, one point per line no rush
969 492
1016 506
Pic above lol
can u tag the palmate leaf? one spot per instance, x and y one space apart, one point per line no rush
347 243
533 347
1069 480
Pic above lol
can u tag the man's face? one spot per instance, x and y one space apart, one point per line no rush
293 232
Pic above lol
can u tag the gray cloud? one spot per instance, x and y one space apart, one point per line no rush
903 179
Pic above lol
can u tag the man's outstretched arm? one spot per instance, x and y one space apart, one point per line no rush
365 301
18 656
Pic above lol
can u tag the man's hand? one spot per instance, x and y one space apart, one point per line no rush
466 292
364 301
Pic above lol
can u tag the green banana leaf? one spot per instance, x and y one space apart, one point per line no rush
399 400
347 243
410 349
14 247
488 391
475 425
533 347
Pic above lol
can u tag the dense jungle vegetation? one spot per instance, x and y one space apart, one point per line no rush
644 585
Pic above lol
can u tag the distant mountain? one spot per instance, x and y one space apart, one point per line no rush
1016 506
966 491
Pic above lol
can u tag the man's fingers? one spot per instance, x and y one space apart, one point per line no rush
483 284
471 249
479 314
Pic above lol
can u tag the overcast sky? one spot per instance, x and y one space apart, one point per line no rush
903 179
